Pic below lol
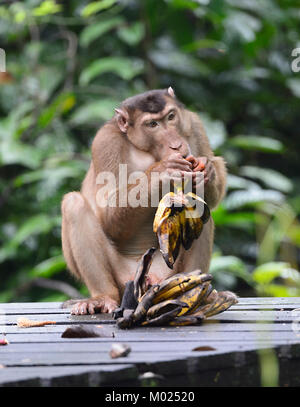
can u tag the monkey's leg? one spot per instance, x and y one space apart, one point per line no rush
88 251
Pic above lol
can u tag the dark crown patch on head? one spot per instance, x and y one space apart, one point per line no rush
153 101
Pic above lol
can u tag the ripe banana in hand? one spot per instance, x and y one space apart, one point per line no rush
178 220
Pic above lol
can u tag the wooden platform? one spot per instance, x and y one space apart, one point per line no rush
237 340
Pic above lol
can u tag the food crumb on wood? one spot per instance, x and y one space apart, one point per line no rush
28 323
119 350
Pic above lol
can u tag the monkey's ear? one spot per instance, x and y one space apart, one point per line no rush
171 92
122 119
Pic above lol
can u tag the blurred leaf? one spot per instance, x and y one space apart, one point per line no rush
240 220
236 182
215 131
230 264
96 30
257 143
46 174
126 68
269 177
94 111
46 7
238 199
49 267
294 86
133 34
242 25
34 225
205 43
95 6
277 290
185 4
62 104
13 152
267 272
167 57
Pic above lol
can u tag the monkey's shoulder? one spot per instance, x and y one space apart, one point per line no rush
108 138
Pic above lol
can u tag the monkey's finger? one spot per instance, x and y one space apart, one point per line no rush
177 156
192 160
202 162
179 166
181 161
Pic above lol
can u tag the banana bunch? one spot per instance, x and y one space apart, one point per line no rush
178 221
183 299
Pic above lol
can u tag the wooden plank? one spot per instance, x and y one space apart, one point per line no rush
35 305
66 375
34 311
148 358
235 336
165 336
269 300
166 346
54 311
247 315
93 358
274 316
209 326
281 307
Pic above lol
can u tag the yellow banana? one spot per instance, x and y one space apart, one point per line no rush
193 298
220 302
193 200
168 234
173 287
187 233
163 210
164 307
163 319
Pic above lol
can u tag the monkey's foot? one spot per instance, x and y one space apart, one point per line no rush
101 303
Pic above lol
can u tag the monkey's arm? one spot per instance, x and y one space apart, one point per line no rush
214 189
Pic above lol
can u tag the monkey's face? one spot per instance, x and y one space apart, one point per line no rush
160 133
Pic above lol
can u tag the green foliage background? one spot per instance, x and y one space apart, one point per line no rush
69 63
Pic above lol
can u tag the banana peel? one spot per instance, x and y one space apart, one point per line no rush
179 220
182 299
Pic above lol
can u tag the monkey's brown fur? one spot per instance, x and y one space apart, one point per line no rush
102 246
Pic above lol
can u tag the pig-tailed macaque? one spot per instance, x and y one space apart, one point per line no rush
150 134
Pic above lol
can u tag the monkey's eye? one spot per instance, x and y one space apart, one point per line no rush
171 116
152 124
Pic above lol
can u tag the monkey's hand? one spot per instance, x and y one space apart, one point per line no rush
173 168
213 175
205 165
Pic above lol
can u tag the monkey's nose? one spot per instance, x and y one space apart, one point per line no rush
176 146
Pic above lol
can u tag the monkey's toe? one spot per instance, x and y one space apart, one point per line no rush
94 305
